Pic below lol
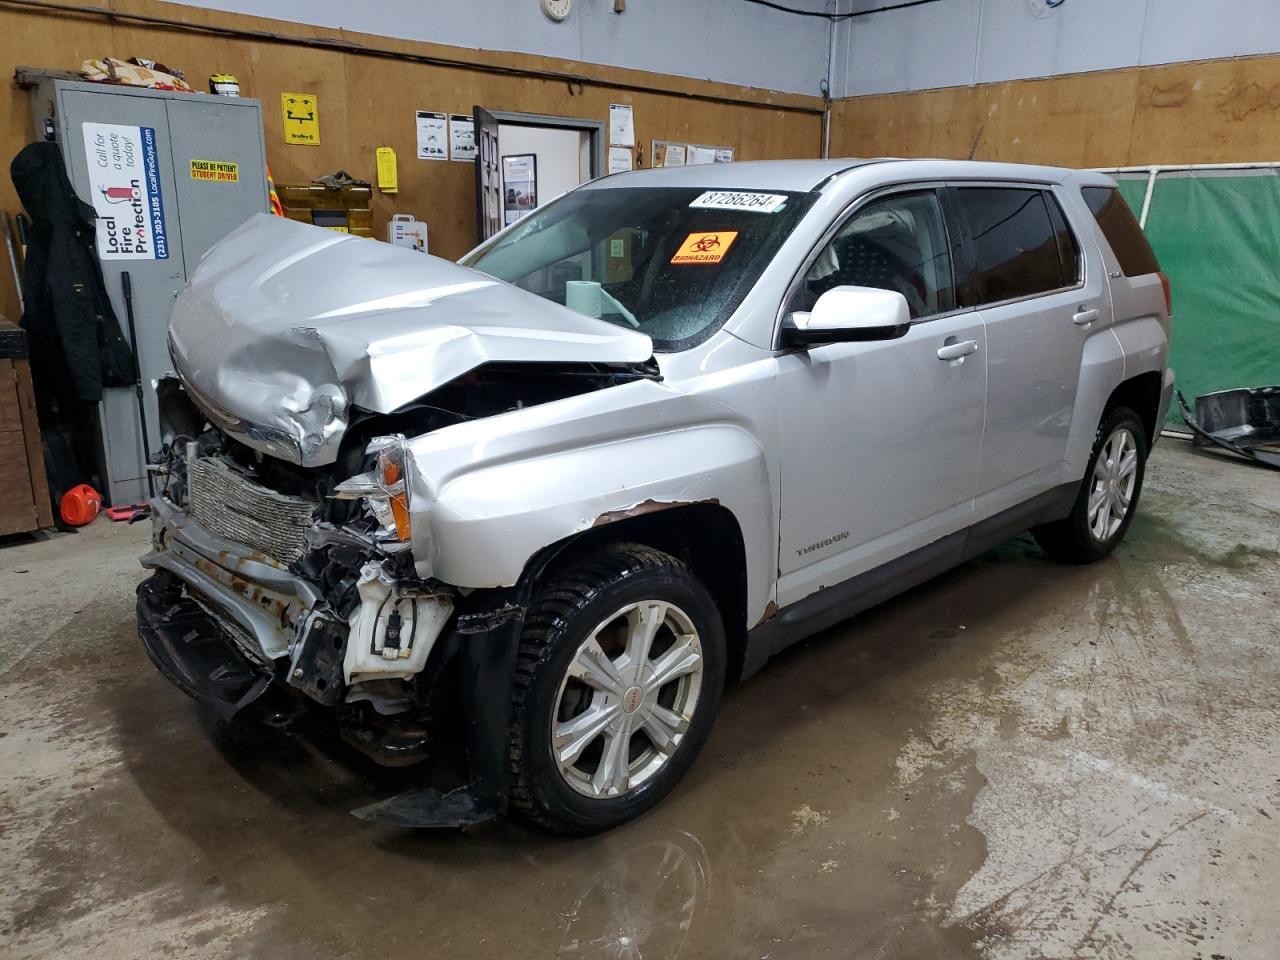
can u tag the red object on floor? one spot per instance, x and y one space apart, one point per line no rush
80 505
127 512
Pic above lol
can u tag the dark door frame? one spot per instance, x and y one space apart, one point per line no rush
593 127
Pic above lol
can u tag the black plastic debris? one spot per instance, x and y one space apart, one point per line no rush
430 809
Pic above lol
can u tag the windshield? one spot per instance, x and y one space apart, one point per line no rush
670 262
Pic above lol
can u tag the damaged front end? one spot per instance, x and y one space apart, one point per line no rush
286 591
273 579
292 545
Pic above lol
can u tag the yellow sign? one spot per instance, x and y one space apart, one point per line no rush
388 181
301 116
218 171
705 247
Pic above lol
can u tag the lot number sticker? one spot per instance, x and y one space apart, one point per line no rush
705 247
215 171
732 200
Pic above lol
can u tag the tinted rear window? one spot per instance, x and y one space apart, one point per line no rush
1018 249
1122 231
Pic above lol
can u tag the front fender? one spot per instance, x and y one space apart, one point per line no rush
498 491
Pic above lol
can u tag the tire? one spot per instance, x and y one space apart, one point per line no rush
597 606
1080 537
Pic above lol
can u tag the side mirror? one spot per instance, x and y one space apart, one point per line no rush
850 313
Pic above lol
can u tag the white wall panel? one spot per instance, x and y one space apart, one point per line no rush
1028 38
1178 30
957 42
913 49
724 40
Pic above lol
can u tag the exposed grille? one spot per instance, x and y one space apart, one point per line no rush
233 507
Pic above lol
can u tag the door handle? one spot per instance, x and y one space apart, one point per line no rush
958 351
1085 317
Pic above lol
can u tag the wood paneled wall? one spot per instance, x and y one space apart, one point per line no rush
367 102
1211 111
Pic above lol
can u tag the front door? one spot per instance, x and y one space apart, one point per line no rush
881 442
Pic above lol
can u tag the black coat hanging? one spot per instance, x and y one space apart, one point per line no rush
76 344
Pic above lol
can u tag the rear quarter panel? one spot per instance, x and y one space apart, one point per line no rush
1134 339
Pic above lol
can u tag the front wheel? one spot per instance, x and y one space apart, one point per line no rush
1108 498
620 670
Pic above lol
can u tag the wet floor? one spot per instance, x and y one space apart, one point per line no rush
1016 760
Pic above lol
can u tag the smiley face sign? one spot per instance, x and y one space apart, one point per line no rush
301 115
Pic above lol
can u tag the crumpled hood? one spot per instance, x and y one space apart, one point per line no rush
285 326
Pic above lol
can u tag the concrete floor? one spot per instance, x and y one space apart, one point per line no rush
1017 760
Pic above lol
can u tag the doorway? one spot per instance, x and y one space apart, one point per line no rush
526 160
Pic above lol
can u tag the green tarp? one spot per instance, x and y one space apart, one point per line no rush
1217 236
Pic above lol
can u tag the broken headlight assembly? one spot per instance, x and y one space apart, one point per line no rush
384 489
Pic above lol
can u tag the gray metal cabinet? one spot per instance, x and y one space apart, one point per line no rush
209 167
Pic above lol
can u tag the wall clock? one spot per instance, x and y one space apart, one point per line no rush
557 10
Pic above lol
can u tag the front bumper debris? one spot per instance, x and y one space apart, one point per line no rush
235 628
428 808
1246 422
192 653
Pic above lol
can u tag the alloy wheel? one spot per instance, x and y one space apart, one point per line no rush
1115 474
627 699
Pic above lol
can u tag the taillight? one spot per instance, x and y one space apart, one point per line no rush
1168 293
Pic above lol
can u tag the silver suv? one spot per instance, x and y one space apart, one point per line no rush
549 500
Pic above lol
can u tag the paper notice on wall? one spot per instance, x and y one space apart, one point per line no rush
124 183
462 137
619 159
675 155
724 155
622 131
433 136
702 155
388 175
519 186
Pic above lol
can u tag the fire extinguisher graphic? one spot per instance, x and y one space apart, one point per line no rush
117 194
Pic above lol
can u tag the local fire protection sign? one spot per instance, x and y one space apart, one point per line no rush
124 179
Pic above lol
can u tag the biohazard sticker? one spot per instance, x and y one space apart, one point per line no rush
705 247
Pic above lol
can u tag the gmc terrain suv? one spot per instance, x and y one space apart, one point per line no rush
552 498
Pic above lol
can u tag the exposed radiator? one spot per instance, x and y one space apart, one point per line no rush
225 503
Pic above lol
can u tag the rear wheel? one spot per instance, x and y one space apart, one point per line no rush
620 670
1108 497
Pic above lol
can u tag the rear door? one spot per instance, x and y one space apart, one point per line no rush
1040 298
